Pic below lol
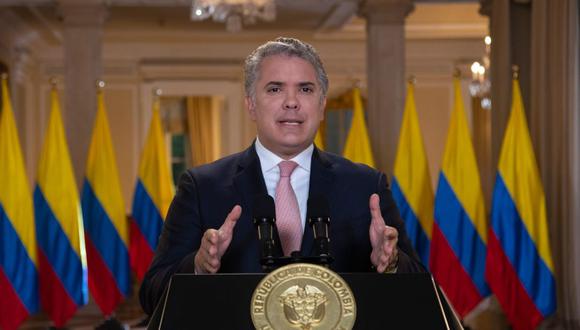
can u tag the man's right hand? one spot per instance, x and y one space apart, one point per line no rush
214 244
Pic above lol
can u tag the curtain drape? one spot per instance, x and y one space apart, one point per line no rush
554 124
201 119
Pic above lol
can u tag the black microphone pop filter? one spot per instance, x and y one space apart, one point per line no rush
319 218
264 214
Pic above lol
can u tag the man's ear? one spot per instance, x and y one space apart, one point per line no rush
251 107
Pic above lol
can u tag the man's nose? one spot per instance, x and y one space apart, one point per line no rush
291 101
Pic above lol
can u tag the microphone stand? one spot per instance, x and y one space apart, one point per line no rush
269 262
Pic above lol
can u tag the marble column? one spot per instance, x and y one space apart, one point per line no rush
509 29
385 75
83 25
21 75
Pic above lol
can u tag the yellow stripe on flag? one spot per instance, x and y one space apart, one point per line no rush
318 140
358 145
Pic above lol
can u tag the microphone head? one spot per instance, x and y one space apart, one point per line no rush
264 206
318 207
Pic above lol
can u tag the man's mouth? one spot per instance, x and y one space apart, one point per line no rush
291 122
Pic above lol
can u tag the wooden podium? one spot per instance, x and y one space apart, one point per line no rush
384 301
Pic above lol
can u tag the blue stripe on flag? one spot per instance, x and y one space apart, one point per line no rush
521 250
17 265
415 231
106 239
461 234
147 215
56 246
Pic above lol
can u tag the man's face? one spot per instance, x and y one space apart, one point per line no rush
288 106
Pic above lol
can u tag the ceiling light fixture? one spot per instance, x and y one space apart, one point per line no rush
233 12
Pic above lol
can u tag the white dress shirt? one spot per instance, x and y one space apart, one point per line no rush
300 178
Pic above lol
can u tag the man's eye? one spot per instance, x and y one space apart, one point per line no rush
306 89
274 89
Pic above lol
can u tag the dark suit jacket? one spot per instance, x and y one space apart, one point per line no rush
206 195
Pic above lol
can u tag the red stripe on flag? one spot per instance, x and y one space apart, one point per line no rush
53 296
101 282
449 273
12 311
505 284
139 251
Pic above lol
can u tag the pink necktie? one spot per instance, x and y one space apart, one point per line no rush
287 212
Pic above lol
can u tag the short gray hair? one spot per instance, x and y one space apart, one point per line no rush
282 46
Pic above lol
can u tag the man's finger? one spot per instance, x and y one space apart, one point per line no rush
210 268
211 237
375 207
212 251
390 233
213 263
231 219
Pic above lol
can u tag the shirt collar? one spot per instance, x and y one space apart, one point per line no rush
269 160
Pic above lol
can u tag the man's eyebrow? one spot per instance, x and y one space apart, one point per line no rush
275 83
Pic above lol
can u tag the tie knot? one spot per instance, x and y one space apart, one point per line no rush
287 167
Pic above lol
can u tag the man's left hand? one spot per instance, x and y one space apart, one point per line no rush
383 238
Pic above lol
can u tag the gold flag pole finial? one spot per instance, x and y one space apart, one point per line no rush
412 79
515 72
456 73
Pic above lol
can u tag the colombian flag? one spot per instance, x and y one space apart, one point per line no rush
458 246
106 225
411 182
357 147
59 226
153 194
18 261
519 266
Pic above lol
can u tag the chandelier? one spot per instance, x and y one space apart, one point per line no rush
233 12
480 85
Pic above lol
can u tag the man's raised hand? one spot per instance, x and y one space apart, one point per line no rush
383 238
214 244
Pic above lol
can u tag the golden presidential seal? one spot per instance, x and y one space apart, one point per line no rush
303 296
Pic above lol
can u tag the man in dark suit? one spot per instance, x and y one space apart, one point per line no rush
209 226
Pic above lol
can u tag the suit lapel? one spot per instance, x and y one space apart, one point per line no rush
321 183
248 180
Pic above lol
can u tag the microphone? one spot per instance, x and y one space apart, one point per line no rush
264 219
318 215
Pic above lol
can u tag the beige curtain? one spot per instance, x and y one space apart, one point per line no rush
202 120
554 124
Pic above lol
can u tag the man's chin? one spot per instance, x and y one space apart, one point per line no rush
291 149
